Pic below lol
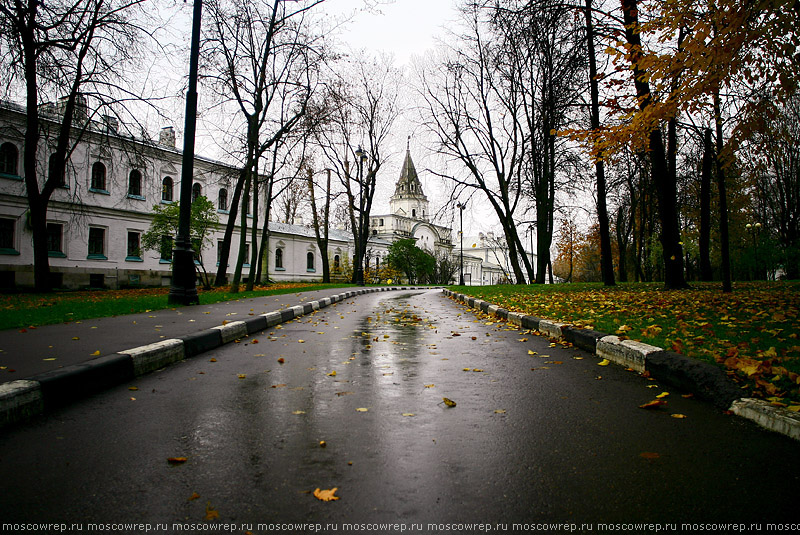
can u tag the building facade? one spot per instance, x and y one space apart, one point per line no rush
105 203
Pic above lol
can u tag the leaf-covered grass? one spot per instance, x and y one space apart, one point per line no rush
26 309
752 331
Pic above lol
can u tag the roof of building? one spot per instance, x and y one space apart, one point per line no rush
408 183
308 232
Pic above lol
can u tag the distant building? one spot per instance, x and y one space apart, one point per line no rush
98 215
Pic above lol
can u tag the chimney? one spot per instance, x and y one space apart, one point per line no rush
81 113
111 124
167 136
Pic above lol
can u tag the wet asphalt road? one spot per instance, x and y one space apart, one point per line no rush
543 437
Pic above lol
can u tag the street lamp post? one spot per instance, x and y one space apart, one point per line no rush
461 207
183 289
362 226
755 230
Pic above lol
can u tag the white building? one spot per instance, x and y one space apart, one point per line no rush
97 217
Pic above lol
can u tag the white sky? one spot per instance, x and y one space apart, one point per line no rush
400 27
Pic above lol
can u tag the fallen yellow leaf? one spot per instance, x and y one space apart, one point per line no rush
604 362
211 513
662 395
242 376
449 402
177 460
362 409
430 386
96 353
679 416
332 374
326 495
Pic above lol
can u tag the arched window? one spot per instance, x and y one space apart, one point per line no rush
310 261
51 170
336 263
98 176
135 183
413 213
197 190
166 189
9 155
278 258
222 202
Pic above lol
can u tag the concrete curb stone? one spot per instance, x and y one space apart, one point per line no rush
23 399
708 382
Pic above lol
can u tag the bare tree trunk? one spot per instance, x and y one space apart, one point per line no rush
723 199
706 273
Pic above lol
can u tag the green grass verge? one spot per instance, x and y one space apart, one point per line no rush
752 330
29 309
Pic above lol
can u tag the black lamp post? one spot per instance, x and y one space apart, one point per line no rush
755 230
183 290
362 226
461 207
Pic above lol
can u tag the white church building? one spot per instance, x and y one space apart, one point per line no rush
97 216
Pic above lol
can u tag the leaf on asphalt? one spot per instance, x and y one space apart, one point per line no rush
522 340
653 404
281 360
409 414
430 386
343 393
279 386
332 374
193 497
362 409
298 412
499 411
301 341
212 360
133 388
75 338
477 369
242 376
449 402
96 353
662 395
177 460
211 513
326 495
604 362
531 352
677 415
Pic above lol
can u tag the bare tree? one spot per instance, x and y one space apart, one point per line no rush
495 105
364 105
261 57
65 49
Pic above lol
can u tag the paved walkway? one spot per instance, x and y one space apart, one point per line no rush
28 352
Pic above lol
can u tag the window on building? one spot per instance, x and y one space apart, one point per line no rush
134 246
165 249
98 176
7 236
246 254
222 200
219 250
135 183
381 222
97 242
52 165
166 189
197 190
278 258
413 212
310 261
336 263
9 158
246 205
55 240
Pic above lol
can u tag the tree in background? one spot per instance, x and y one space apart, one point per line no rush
165 225
416 264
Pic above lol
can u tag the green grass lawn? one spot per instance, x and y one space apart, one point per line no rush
752 331
28 309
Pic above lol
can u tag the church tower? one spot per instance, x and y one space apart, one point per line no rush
409 200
